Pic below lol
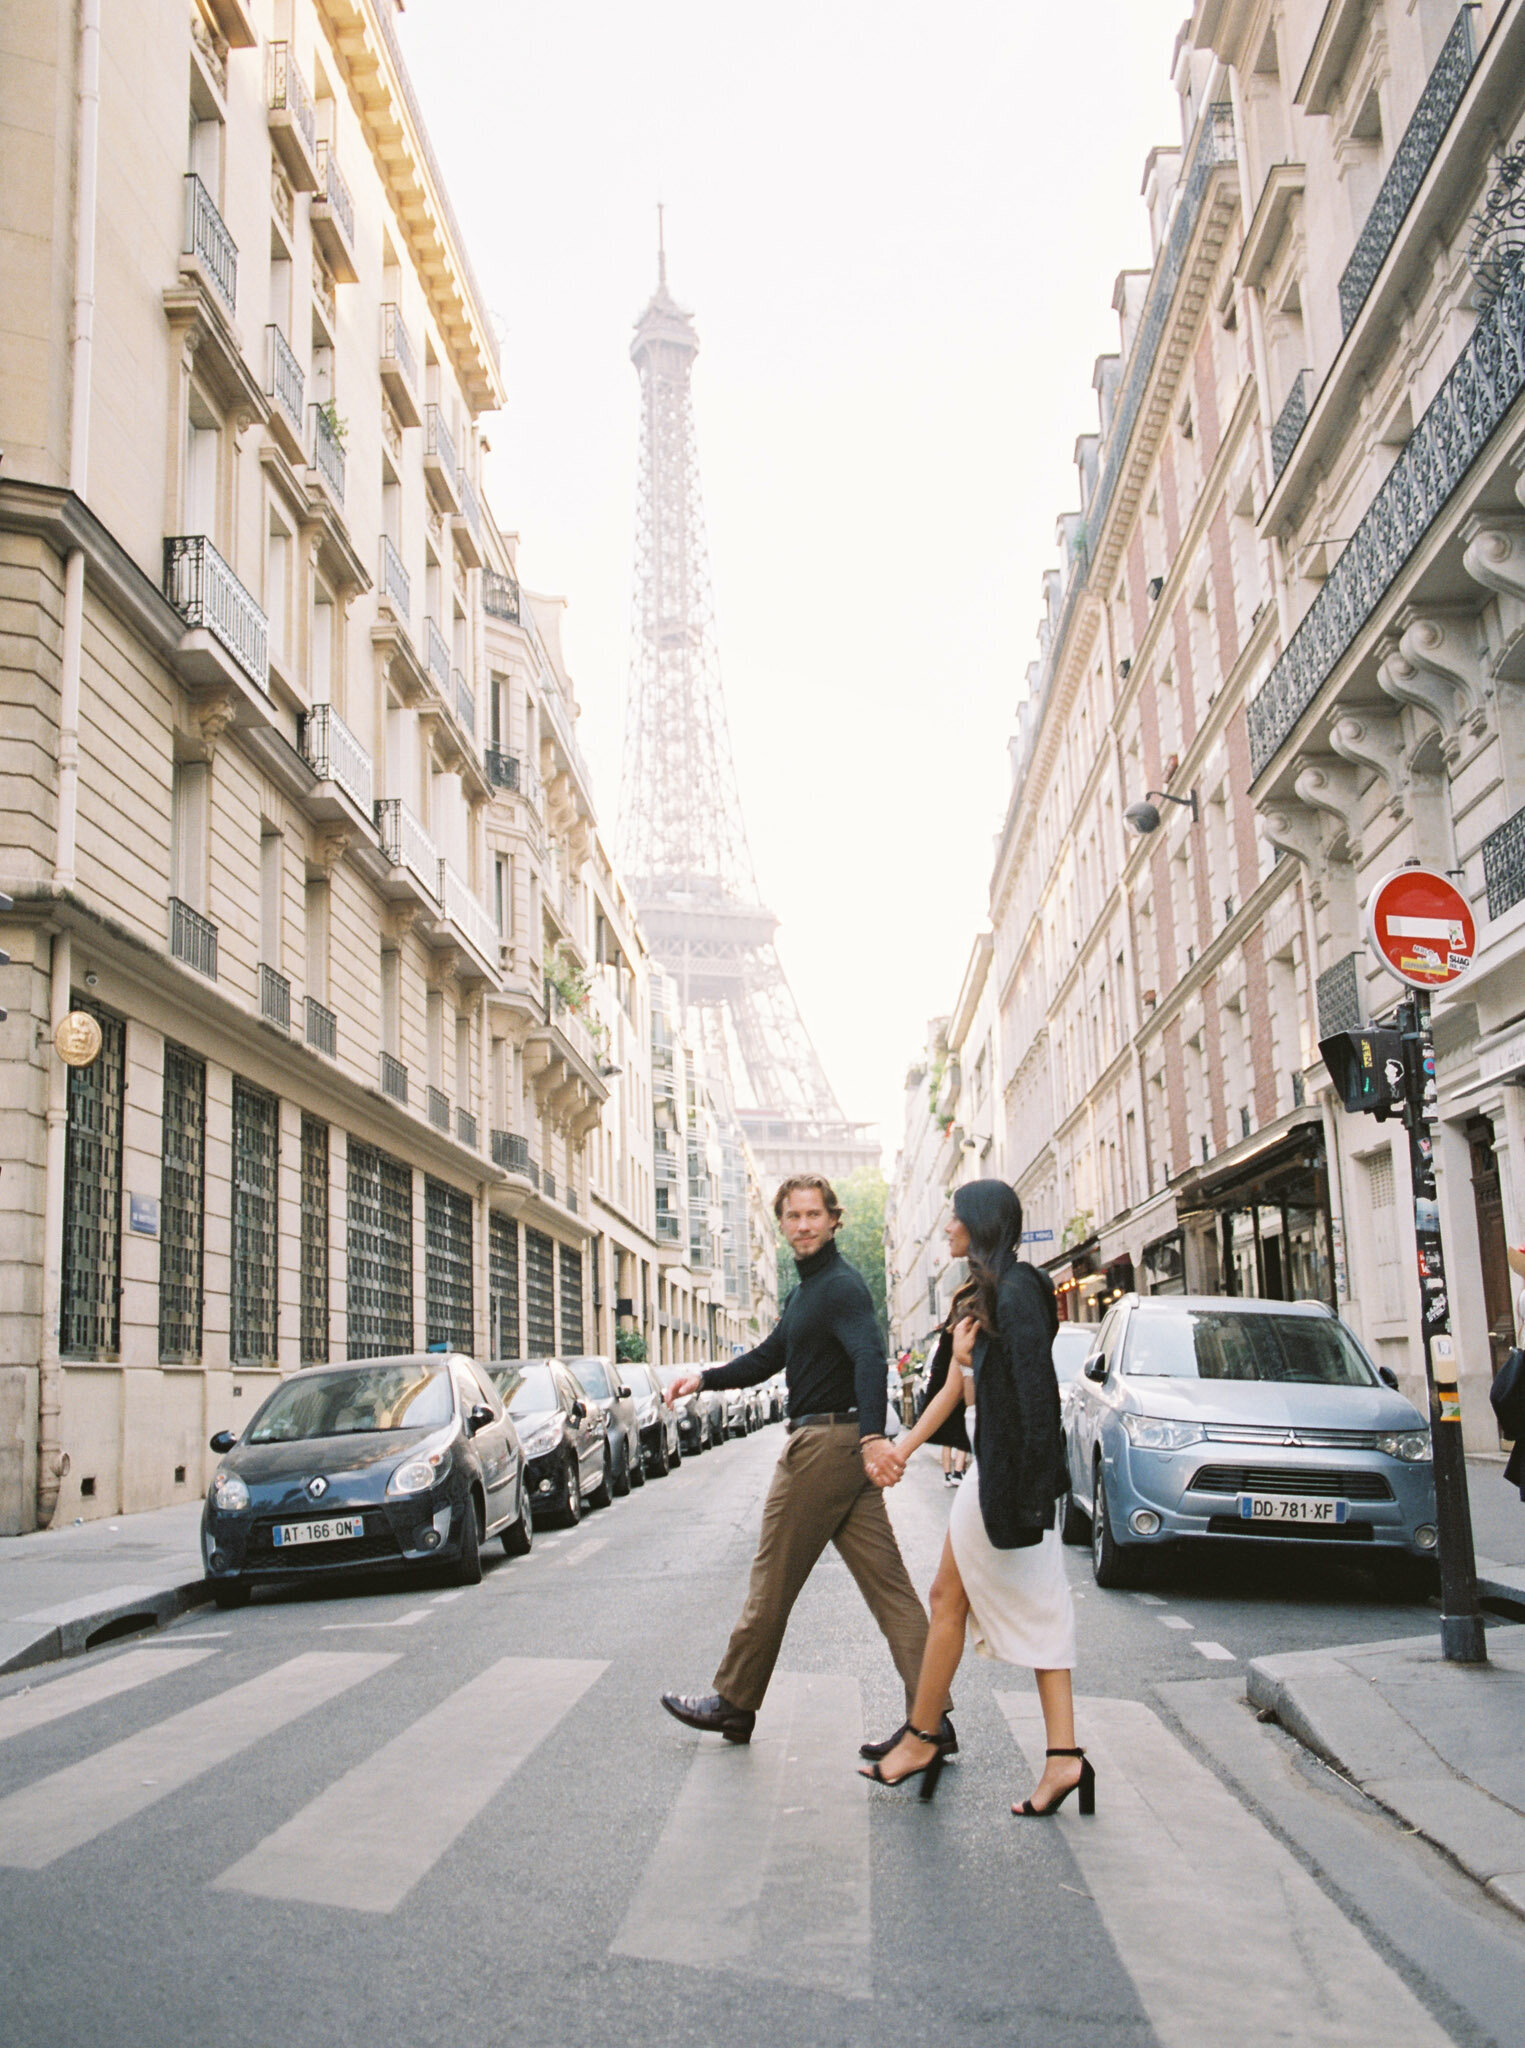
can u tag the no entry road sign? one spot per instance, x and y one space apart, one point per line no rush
1421 928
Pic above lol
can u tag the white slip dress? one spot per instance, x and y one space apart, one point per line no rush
1020 1607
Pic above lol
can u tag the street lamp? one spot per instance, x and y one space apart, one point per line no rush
1145 817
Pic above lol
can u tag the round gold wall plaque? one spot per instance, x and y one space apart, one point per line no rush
77 1040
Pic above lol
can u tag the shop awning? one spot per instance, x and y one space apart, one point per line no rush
1294 1139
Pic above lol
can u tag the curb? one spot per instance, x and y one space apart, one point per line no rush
96 1618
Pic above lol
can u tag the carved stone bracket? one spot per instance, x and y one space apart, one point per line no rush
1495 555
1294 828
330 845
1332 787
1447 646
1372 739
442 967
213 715
399 921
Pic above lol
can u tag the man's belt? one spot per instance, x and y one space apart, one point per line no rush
810 1421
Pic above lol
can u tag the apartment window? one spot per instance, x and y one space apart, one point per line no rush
320 657
317 905
272 851
571 1300
464 1092
539 1294
391 1001
182 1192
447 1267
199 481
314 1247
278 587
90 1305
190 804
503 896
380 1253
503 1286
253 1307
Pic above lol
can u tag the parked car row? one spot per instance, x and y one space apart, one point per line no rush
420 1460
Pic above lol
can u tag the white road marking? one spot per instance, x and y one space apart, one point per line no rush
741 1882
441 1599
204 1635
413 1615
585 1550
1215 1653
1172 1621
355 1846
60 1812
88 1686
1149 1600
1223 1932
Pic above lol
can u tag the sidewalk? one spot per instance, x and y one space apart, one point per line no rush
63 1590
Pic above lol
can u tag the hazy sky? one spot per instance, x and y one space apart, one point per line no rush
898 229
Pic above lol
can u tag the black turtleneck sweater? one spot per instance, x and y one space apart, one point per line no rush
827 1344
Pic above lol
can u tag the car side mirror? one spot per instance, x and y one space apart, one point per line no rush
477 1417
579 1412
223 1441
622 1393
1095 1367
1388 1377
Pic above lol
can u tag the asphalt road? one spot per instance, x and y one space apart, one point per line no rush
415 1814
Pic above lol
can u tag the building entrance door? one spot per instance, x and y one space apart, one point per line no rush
1492 1244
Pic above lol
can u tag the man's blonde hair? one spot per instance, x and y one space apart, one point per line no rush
798 1183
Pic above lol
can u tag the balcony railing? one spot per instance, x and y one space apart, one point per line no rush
532 1168
399 365
438 1105
465 701
472 919
284 381
500 595
289 94
394 578
502 769
466 1128
471 504
438 440
274 997
406 844
511 1152
394 1078
322 1028
1483 383
1338 996
561 719
328 450
332 750
209 241
333 189
437 654
193 938
206 593
1411 159
1504 865
1290 422
668 1227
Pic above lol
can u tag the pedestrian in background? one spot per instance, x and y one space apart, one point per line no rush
836 1460
1002 1569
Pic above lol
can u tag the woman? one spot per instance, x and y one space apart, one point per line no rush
1002 1566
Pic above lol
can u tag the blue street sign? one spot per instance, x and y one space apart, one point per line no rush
1037 1237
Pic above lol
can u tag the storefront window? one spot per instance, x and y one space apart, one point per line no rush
1165 1265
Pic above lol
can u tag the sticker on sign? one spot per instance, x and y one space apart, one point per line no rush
1421 928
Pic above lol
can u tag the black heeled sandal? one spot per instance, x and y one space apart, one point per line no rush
929 1772
1085 1784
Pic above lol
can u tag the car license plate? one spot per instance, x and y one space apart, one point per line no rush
1278 1507
334 1531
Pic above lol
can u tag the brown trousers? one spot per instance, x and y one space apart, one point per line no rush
820 1494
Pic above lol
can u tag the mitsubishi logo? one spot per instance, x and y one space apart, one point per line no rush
1292 1440
316 1488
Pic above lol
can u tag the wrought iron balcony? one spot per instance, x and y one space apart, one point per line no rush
333 216
438 1106
207 595
1338 996
1290 422
532 1168
1504 865
465 701
502 769
468 527
394 581
328 450
440 466
437 654
394 1078
284 379
548 1184
209 241
406 844
466 1128
193 938
399 366
500 595
333 752
511 1152
293 118
1415 153
322 1028
473 920
274 997
1483 383
668 1227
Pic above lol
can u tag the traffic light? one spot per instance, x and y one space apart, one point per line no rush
1367 1068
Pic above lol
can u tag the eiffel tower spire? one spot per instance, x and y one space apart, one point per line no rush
683 842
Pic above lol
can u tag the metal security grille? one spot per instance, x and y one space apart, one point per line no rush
571 1300
182 1187
503 1286
380 1272
539 1294
253 1310
314 1241
90 1306
447 1266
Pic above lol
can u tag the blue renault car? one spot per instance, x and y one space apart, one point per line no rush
1241 1422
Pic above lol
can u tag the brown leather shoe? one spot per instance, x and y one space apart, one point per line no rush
711 1713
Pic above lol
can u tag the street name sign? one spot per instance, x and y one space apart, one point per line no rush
1421 928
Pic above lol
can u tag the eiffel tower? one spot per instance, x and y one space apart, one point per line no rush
683 842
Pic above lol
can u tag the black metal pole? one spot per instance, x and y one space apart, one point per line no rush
1461 1622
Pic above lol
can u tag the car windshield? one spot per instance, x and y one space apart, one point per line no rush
527 1389
356 1400
1072 1347
590 1371
1222 1344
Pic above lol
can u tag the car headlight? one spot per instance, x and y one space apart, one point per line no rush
1155 1433
1411 1445
545 1436
418 1473
229 1493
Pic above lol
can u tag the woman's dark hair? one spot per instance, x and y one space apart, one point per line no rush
991 1213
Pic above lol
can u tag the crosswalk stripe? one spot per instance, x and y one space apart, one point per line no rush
1223 1932
585 1550
352 1846
89 1686
46 1819
763 1866
1215 1653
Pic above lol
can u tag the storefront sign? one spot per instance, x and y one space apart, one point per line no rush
1420 928
1037 1237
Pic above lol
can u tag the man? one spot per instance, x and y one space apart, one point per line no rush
827 1488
